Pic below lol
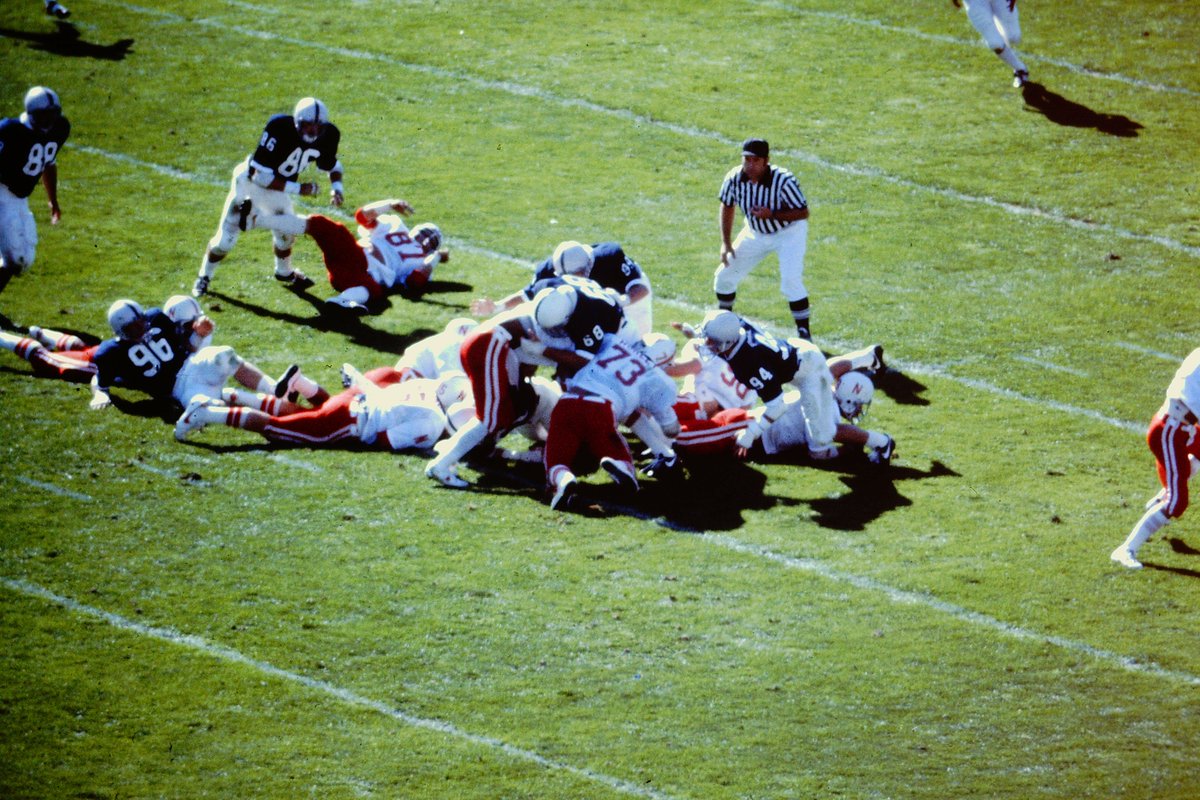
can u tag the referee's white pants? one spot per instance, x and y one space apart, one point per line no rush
750 247
264 201
18 232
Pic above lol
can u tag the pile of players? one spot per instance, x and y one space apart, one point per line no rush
586 318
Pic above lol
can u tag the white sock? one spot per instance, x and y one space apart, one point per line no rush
876 439
1151 523
283 265
462 442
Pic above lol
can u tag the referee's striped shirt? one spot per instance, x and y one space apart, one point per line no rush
780 192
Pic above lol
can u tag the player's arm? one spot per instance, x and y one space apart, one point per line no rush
726 223
50 181
368 216
758 424
100 396
337 191
485 306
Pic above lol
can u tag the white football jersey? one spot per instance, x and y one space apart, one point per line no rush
392 254
626 377
715 383
401 412
1186 384
433 356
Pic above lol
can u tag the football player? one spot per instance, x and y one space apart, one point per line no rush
623 384
605 263
269 178
435 355
377 408
386 256
29 145
1000 26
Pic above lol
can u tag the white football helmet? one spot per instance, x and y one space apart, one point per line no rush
461 326
553 307
453 388
311 117
721 330
182 308
572 258
854 393
42 107
428 235
659 347
127 320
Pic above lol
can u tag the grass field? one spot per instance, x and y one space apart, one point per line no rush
221 618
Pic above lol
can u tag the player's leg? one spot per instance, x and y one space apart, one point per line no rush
563 441
226 236
490 365
984 17
56 340
294 383
259 401
869 358
18 236
1169 444
791 247
748 250
345 262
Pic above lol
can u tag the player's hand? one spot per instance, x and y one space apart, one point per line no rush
741 452
55 213
203 326
761 212
686 329
1012 5
309 189
726 254
443 255
336 198
483 307
958 3
402 207
100 401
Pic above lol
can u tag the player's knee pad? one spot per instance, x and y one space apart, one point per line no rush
223 240
283 241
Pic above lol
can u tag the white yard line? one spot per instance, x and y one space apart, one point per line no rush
201 645
50 487
976 42
1136 348
521 90
1038 362
697 311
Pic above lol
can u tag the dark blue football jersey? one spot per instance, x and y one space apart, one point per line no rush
763 362
596 311
25 153
150 364
611 268
282 152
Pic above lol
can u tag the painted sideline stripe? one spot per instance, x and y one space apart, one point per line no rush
50 487
347 696
639 120
1136 348
699 311
975 43
905 597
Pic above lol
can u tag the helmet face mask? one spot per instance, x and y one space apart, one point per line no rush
127 320
43 107
572 258
428 235
311 117
854 393
722 330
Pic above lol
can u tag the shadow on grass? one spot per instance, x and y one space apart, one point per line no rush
902 389
66 40
352 327
1062 111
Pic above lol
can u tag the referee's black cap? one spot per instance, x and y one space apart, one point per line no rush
756 147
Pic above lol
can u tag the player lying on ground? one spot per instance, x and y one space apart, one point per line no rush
378 408
385 257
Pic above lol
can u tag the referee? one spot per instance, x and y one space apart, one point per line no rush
776 221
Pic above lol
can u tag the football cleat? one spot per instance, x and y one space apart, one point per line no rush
1020 78
877 362
446 476
295 280
883 455
200 287
286 384
245 221
1123 556
190 419
57 10
662 467
563 496
620 473
340 305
